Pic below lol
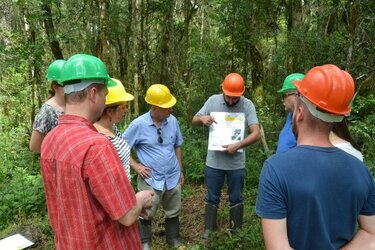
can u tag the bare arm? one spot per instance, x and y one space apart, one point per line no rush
143 171
275 234
144 199
365 236
203 119
36 140
252 137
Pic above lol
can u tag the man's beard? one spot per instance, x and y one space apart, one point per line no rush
231 105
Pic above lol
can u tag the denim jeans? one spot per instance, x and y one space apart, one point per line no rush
214 180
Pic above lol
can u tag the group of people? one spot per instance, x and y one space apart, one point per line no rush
311 194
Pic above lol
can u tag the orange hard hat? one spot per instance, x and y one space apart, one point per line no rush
233 85
329 88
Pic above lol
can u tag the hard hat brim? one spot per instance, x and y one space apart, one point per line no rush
281 91
128 97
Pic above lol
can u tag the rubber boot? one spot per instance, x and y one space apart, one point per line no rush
172 231
235 217
146 234
210 213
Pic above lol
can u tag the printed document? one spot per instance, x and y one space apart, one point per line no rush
229 128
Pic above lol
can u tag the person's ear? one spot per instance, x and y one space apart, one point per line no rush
300 113
55 87
92 94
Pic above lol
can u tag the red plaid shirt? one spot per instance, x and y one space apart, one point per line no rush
86 187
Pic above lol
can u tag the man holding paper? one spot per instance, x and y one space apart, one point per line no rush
227 115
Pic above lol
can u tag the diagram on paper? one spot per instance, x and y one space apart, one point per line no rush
229 128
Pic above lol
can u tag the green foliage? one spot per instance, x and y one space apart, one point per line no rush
15 107
194 151
15 153
21 189
22 195
363 127
248 237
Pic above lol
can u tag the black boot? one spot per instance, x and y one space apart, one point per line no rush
235 217
172 231
210 213
146 234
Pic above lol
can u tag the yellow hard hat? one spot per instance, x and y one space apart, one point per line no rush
159 95
117 93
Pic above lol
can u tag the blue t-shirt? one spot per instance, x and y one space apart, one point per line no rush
159 157
287 139
320 191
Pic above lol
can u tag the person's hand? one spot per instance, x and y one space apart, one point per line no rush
207 120
231 148
144 214
145 197
182 178
143 171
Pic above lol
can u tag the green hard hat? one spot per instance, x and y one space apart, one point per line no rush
54 70
83 66
288 85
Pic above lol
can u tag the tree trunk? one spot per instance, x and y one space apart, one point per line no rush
352 15
50 30
102 49
165 44
135 48
189 9
294 14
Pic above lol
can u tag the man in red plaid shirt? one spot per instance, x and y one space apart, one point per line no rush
91 204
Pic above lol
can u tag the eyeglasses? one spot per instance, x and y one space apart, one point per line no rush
288 94
160 139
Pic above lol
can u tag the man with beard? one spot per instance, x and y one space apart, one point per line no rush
313 195
229 161
91 203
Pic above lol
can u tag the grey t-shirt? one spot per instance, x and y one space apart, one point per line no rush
216 103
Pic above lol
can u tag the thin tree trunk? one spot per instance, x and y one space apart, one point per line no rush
135 49
102 48
202 26
294 14
165 46
189 9
33 68
50 30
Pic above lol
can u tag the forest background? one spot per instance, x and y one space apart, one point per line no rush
188 45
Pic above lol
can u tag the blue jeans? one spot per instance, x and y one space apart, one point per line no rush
214 180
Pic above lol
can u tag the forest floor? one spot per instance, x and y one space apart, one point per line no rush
192 223
191 219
